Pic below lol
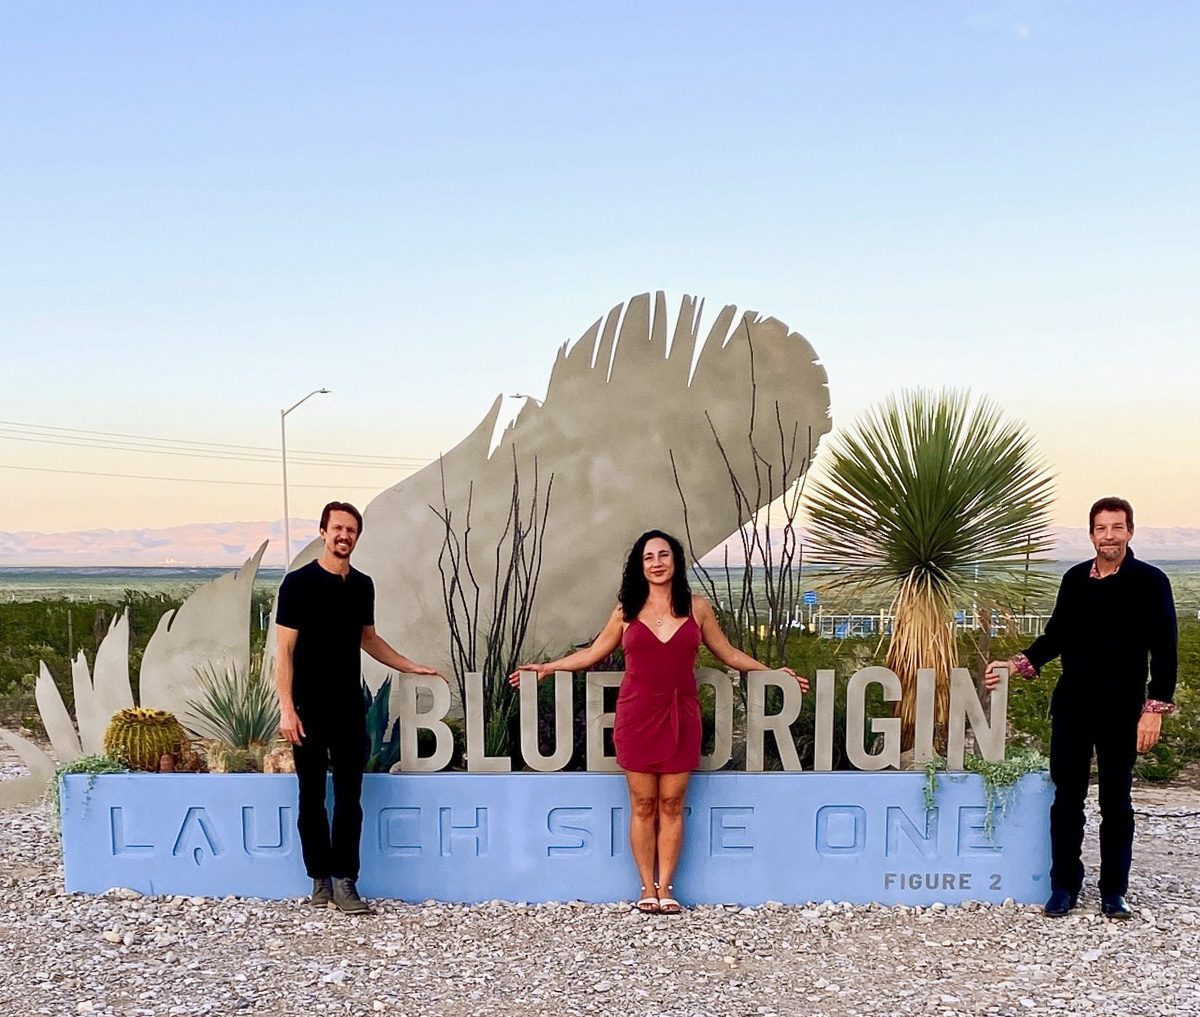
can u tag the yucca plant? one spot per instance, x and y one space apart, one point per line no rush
932 497
239 704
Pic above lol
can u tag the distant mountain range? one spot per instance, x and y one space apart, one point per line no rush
1154 543
193 544
1163 543
220 544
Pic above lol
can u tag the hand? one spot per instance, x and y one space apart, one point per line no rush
540 670
422 669
799 677
1148 731
290 726
991 674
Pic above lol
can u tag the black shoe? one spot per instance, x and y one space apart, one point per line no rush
1059 904
1113 905
346 898
322 895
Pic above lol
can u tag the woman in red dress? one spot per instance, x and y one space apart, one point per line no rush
661 624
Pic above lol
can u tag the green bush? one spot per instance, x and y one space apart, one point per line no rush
53 630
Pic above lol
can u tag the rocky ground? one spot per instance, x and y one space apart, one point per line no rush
125 954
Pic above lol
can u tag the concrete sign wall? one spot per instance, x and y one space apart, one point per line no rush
791 838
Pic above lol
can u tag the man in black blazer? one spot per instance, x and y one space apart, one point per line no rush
1113 614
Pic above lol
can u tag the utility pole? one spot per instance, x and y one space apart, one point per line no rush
287 523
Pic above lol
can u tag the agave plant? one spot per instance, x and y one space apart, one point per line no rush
383 738
239 703
932 497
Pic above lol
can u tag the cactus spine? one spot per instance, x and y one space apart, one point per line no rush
140 738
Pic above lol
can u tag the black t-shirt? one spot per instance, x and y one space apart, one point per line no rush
328 612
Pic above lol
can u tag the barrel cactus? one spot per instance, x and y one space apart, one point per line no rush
140 738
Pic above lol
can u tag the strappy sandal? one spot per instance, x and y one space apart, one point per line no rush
648 905
669 905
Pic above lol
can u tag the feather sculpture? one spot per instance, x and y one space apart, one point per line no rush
624 410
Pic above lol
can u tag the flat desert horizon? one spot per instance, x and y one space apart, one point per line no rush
219 545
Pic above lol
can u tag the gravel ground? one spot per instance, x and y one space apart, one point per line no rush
124 954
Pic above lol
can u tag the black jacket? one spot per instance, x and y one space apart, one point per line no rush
1105 630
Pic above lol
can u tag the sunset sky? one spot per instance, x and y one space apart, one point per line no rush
210 210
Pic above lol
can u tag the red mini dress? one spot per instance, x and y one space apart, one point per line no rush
657 726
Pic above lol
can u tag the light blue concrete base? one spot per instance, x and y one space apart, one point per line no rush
790 837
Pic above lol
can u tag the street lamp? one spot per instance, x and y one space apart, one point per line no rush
522 395
287 526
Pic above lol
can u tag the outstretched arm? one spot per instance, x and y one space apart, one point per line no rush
378 648
1049 644
1045 648
602 646
724 650
1017 664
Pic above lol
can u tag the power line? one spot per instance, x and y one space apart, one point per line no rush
48 431
184 480
301 458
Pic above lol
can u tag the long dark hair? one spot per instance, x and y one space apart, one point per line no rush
635 588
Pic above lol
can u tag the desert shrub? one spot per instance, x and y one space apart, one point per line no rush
53 629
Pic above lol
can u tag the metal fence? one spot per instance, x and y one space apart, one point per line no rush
849 626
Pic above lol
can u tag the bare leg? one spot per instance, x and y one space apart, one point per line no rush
672 787
643 812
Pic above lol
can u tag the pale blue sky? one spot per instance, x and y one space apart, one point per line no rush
210 209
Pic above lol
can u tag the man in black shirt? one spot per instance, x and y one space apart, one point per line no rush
325 616
1112 614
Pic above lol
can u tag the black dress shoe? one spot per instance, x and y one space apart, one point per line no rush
1059 904
1113 905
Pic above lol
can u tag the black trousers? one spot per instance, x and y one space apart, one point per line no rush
337 741
1074 735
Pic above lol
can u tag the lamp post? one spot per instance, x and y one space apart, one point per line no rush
287 526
